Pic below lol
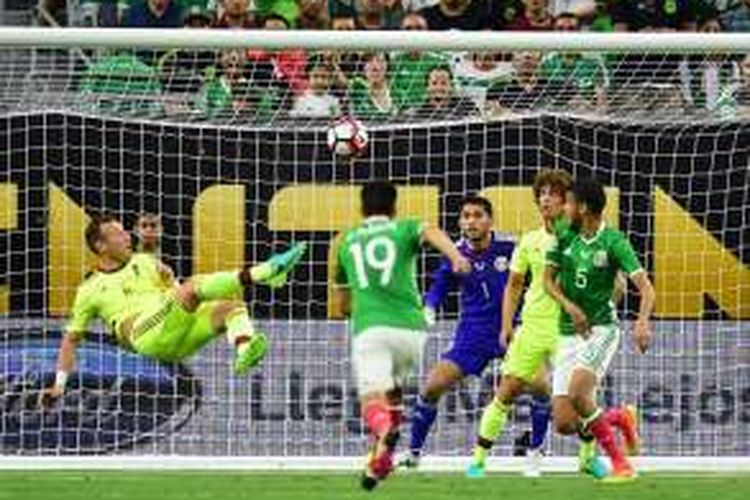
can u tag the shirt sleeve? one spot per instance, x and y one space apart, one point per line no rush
82 314
625 256
519 262
442 282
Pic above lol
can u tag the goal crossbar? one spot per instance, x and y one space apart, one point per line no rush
364 40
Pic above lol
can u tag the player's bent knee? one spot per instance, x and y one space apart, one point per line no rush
510 388
433 392
441 379
565 427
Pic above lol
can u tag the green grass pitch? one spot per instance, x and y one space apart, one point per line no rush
191 485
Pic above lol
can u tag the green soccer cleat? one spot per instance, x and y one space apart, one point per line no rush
249 354
589 462
275 270
476 471
596 468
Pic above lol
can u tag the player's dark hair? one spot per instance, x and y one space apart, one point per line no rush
378 198
478 201
147 216
94 229
559 181
590 192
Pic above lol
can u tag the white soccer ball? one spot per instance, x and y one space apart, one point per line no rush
347 137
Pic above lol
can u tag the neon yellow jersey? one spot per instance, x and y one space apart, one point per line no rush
530 256
115 295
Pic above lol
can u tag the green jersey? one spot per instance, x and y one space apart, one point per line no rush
409 77
582 72
587 270
377 261
122 83
362 104
115 295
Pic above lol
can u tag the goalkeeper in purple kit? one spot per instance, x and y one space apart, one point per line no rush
476 342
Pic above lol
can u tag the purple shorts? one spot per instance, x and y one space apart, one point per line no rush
472 359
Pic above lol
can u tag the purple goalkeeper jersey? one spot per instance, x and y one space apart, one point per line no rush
481 295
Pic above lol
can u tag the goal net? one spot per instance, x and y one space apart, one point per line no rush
222 135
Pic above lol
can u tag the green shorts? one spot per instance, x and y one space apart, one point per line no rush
169 333
533 346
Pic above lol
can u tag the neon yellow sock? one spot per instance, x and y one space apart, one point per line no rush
494 417
220 285
238 324
586 450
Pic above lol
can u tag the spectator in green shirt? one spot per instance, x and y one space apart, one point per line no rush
228 93
703 76
122 84
574 79
370 97
734 100
409 69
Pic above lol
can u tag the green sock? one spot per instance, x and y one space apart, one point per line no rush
220 285
238 325
491 425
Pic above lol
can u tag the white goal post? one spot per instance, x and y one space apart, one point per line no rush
205 129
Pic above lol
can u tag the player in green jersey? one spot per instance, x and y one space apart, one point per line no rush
148 312
377 285
533 345
581 274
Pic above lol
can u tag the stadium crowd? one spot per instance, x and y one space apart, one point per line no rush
417 85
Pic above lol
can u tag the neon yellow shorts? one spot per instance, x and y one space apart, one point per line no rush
532 348
169 333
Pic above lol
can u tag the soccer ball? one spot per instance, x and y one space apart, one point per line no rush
347 137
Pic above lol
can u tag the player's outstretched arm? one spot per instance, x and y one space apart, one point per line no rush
511 298
66 361
440 241
442 282
642 330
552 287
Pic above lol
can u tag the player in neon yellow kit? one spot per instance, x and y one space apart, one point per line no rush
581 275
377 283
149 313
